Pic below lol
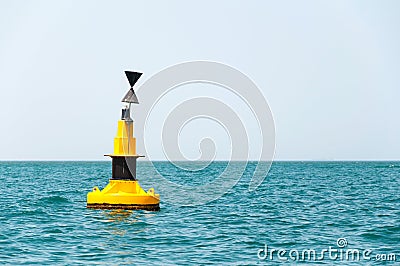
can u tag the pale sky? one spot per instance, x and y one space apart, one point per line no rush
330 71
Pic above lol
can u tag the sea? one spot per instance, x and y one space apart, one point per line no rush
316 213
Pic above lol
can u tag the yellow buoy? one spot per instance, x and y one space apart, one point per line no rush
123 191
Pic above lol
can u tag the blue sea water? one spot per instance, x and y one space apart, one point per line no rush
300 205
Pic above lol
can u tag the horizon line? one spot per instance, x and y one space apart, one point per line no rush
277 160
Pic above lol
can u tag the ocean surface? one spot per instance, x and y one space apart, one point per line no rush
300 206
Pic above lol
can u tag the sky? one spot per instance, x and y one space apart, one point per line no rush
329 70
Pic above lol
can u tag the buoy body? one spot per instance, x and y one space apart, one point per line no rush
123 194
123 190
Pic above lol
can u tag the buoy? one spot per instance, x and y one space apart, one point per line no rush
123 190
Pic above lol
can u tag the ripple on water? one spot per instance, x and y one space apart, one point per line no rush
53 200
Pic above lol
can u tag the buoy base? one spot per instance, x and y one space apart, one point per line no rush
123 194
155 207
